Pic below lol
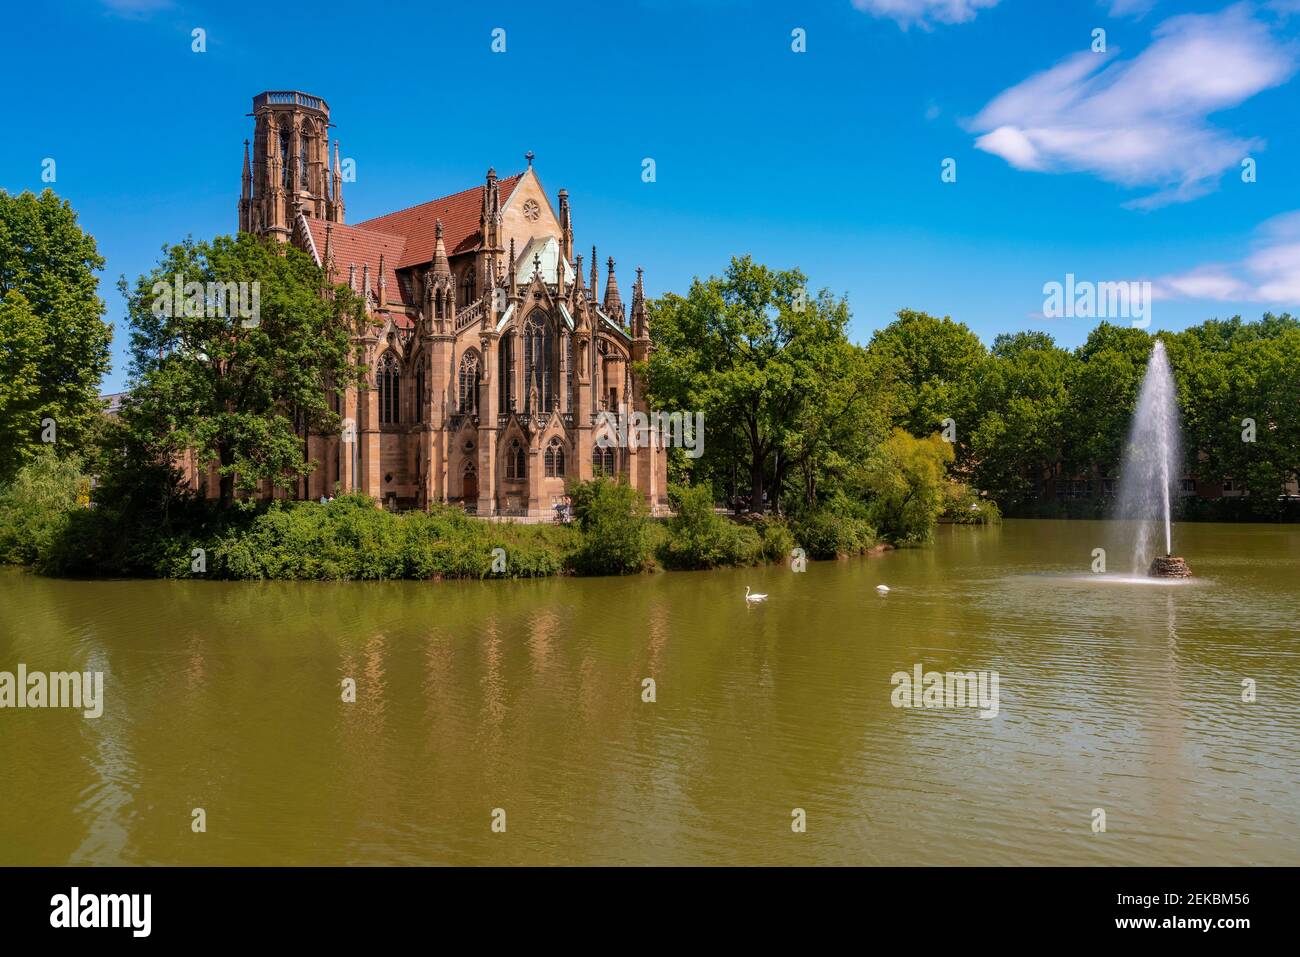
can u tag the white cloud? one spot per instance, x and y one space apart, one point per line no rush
1204 282
924 13
1270 273
1142 121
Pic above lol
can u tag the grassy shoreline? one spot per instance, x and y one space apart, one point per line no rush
350 539
149 527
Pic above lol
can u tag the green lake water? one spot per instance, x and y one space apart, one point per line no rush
527 696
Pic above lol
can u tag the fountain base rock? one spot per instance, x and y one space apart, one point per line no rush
1169 566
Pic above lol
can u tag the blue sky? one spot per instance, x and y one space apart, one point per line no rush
1122 165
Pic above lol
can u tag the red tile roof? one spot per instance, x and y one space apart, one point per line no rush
459 213
353 245
405 238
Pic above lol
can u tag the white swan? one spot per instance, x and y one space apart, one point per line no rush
882 589
754 597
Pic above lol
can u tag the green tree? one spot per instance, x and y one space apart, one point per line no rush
1263 387
1231 374
34 507
239 391
615 527
848 413
54 343
1024 397
23 351
1103 394
938 365
1275 404
698 537
906 477
747 349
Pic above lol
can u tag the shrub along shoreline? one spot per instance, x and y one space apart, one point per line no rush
47 523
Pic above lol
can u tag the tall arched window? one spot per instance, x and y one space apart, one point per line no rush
469 376
419 393
505 365
467 283
284 158
389 382
304 138
568 373
539 361
555 458
515 461
602 461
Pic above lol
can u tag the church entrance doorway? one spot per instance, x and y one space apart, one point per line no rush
470 485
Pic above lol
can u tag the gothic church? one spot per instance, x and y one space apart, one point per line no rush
495 370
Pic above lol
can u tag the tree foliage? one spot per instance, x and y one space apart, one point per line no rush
938 365
1024 399
613 519
238 392
35 505
907 479
698 537
750 349
54 343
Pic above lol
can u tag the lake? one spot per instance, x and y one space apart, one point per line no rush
528 697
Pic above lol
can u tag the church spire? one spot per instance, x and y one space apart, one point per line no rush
489 233
246 195
566 227
486 206
613 301
441 267
514 287
595 279
336 188
640 322
441 284
579 296
328 263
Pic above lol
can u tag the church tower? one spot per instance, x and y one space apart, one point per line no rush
287 168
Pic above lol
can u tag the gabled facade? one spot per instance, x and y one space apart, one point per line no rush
496 371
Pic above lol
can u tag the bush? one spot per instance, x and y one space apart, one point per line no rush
347 539
777 540
107 540
351 539
698 537
143 522
150 528
833 530
35 506
615 529
906 478
962 505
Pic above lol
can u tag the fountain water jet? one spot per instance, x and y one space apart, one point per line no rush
1152 462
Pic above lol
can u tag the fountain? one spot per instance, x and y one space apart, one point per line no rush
1152 464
